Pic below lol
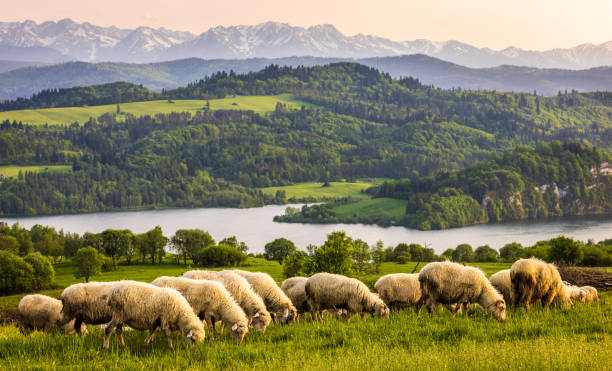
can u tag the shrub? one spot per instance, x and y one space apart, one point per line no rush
566 250
335 256
108 264
43 272
402 259
486 253
220 256
15 274
279 249
295 264
511 251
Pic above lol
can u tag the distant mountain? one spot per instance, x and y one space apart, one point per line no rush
13 65
167 75
87 42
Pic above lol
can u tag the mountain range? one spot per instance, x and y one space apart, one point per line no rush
66 40
25 81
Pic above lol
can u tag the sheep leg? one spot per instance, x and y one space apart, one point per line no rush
168 334
211 325
430 308
108 331
455 309
547 300
77 325
528 297
150 336
119 332
465 309
419 305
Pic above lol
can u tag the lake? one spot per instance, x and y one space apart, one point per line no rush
256 228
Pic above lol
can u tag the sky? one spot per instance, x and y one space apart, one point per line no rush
528 24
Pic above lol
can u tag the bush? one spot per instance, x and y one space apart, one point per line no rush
597 256
511 251
335 256
108 264
295 264
566 250
87 262
219 256
402 259
486 253
16 275
279 249
463 253
43 272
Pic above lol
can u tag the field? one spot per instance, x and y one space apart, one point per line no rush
315 190
69 115
574 338
13 171
394 208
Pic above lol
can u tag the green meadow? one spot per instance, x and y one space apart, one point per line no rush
13 170
69 115
316 190
576 338
394 208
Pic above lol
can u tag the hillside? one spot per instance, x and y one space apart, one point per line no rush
341 121
431 71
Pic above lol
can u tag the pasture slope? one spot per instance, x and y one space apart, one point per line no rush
69 115
12 171
574 338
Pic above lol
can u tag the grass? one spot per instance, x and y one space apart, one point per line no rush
69 115
575 338
315 190
12 171
394 208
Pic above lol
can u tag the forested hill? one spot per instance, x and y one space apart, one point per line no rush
553 179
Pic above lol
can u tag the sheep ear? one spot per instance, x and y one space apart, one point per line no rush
190 334
257 315
286 313
235 327
500 304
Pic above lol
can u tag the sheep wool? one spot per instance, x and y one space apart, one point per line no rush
591 295
448 283
210 301
534 280
242 293
399 289
40 312
327 291
143 306
86 303
274 298
501 281
295 289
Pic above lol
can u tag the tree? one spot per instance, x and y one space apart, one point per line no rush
361 256
279 249
335 256
463 253
15 274
43 272
485 253
220 256
72 243
402 252
188 242
511 251
448 253
118 242
9 243
92 239
233 242
566 250
295 264
87 262
154 243
378 256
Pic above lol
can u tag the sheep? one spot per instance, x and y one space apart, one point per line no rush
501 281
277 303
143 306
333 291
575 293
40 312
295 289
209 299
399 289
534 280
591 295
86 303
243 294
448 283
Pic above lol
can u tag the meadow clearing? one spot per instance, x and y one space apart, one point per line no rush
574 338
12 171
69 115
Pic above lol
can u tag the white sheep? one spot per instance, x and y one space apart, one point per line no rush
295 289
591 295
86 303
40 312
277 303
399 289
210 301
242 293
143 306
534 280
575 293
448 283
501 281
333 291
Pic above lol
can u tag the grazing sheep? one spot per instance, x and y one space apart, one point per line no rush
40 312
501 281
210 300
399 289
86 303
575 293
277 303
295 289
242 293
334 291
534 280
143 306
448 283
591 294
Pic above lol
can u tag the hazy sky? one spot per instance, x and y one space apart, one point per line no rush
532 24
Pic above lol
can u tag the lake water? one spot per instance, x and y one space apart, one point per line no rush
256 228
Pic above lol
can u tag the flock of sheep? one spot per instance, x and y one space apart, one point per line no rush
243 300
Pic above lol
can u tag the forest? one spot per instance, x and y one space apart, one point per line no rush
362 123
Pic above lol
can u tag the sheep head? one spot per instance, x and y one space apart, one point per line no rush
238 331
499 310
381 310
261 320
